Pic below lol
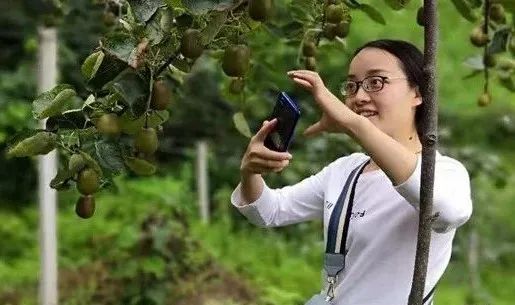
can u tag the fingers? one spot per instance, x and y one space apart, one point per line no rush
303 83
262 166
314 130
266 128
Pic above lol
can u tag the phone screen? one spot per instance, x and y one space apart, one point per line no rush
287 113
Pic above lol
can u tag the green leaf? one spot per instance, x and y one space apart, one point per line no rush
61 180
499 41
52 102
70 119
216 21
373 13
140 166
153 30
92 163
174 3
145 9
133 89
154 265
110 67
131 126
465 10
29 144
241 124
109 156
397 4
508 83
200 7
509 5
90 66
120 44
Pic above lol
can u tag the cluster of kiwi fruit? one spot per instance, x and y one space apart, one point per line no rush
145 143
336 24
480 39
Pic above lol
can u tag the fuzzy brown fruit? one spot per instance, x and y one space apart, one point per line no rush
330 31
85 206
161 95
309 48
109 18
191 43
478 37
88 181
310 63
235 62
497 13
109 125
146 141
484 100
260 10
342 29
334 13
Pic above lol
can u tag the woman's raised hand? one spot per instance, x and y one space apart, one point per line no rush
336 115
258 159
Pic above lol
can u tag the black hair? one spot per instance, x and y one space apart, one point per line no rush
411 59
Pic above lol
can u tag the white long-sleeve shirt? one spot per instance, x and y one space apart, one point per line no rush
383 228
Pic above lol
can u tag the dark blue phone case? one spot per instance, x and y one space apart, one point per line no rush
287 112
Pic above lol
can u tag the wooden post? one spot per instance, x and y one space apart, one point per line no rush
203 180
47 169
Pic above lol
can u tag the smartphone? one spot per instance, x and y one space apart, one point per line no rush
287 112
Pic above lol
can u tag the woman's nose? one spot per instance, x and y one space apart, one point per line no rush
361 97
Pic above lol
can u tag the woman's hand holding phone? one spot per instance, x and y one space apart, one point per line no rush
258 159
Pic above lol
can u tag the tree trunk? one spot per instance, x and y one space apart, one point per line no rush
47 168
428 136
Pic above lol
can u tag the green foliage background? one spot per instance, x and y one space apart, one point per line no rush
280 266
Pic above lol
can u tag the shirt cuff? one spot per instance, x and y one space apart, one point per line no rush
410 189
257 212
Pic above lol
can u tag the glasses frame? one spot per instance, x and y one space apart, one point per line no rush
359 84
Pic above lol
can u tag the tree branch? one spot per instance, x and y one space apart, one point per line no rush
429 140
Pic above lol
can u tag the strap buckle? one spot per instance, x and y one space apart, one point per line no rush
330 290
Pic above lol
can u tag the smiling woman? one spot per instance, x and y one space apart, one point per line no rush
364 265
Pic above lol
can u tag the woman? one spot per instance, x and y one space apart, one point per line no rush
380 112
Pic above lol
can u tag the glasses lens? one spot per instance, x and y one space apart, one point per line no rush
373 84
348 88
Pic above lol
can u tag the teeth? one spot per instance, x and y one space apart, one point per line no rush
367 113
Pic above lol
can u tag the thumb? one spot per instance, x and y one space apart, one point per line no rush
314 130
266 128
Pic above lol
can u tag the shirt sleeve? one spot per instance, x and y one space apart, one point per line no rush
452 203
290 204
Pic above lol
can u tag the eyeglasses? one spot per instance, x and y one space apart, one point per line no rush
369 84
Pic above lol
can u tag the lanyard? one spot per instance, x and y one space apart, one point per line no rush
338 229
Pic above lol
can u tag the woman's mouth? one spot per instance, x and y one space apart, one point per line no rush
368 114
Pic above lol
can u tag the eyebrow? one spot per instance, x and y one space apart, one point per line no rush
369 72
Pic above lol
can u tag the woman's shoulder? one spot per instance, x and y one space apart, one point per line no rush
349 161
445 161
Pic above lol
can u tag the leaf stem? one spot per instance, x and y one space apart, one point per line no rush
167 63
151 87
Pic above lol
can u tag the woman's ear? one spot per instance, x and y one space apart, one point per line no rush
418 97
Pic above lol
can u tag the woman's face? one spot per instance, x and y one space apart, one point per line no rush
393 107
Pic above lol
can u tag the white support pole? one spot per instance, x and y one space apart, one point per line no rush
203 180
47 168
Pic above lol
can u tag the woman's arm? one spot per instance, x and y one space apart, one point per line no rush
397 161
290 204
